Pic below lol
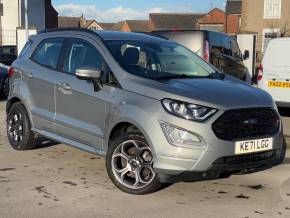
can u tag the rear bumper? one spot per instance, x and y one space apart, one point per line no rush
226 166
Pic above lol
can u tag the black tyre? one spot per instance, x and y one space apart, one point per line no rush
129 164
4 91
19 128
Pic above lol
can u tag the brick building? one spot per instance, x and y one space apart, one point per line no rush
233 16
214 20
267 18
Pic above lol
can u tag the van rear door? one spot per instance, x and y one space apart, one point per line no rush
276 70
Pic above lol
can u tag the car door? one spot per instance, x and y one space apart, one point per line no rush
38 82
80 111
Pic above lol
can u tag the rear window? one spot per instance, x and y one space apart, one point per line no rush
220 44
47 52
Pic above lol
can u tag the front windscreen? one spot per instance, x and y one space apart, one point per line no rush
159 59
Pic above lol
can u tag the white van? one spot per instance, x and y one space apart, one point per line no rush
274 72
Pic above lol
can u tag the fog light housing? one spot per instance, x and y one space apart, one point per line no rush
179 137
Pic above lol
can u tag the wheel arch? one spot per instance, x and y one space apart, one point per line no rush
117 128
14 100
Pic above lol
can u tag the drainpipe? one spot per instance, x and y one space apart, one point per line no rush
26 19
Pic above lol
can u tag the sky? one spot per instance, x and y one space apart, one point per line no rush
116 10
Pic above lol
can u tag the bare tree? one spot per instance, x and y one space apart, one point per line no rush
284 27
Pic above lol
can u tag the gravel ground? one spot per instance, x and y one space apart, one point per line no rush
59 181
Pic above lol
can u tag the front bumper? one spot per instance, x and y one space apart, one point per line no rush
227 166
203 161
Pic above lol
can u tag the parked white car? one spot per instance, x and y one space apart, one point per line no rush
274 72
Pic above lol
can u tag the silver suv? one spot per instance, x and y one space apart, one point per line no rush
158 112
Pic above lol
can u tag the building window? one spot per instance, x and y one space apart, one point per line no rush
268 35
272 9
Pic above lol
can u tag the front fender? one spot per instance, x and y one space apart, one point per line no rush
140 116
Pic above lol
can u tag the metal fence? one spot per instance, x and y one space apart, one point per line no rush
8 37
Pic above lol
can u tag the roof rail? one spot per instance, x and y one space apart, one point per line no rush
152 34
70 29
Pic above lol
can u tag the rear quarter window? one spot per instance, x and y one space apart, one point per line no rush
26 48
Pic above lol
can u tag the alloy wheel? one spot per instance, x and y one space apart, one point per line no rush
15 128
132 164
5 87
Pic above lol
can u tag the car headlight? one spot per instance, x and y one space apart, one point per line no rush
188 111
179 137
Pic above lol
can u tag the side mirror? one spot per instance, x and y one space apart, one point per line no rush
246 55
91 74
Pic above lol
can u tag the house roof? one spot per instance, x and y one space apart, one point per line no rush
107 26
69 22
215 16
88 23
134 25
234 7
118 26
181 21
138 25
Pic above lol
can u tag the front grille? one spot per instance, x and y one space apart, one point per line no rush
246 158
243 124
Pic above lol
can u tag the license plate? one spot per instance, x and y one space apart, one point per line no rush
251 146
274 84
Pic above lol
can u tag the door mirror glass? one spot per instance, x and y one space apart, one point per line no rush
246 55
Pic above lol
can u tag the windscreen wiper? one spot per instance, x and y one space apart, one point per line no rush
175 76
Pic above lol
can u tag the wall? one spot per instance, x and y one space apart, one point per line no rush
13 17
10 18
233 24
253 19
21 38
36 14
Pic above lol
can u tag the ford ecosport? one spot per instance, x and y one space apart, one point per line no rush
158 112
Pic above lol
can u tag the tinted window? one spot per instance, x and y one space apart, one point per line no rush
81 54
220 44
216 43
48 52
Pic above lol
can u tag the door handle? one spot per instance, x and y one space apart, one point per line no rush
65 86
29 75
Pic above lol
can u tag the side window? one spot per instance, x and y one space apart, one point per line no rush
216 43
82 54
47 52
